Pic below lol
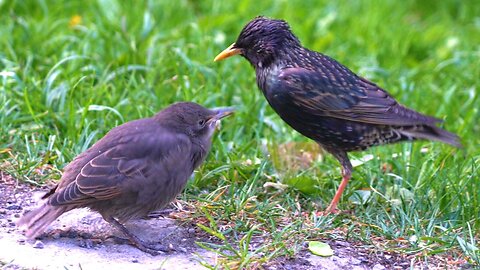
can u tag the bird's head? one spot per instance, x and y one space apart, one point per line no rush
192 119
261 41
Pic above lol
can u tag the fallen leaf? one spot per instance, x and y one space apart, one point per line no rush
320 248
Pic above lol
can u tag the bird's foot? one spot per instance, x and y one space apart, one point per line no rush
151 248
333 211
326 213
160 213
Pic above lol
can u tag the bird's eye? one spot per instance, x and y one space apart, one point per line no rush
201 123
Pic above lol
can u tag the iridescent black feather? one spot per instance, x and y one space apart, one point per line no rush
326 101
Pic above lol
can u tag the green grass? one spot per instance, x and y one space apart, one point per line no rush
63 86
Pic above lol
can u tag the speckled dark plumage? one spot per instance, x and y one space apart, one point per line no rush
324 100
136 168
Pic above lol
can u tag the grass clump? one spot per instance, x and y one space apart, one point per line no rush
72 71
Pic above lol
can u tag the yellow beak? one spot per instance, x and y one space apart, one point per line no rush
230 51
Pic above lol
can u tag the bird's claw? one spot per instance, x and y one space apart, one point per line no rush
327 212
152 251
159 247
150 248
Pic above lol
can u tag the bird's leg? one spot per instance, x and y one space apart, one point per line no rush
135 240
332 208
160 213
346 175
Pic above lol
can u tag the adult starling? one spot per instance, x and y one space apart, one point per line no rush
135 168
324 100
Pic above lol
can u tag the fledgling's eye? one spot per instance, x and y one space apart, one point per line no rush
201 122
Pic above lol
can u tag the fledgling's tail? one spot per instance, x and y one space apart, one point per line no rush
37 220
430 132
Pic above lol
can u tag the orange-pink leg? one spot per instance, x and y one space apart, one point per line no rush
342 157
332 208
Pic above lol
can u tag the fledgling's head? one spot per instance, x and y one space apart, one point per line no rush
261 41
192 119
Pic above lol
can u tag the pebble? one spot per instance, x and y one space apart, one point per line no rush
38 244
70 234
378 267
342 243
355 261
135 261
363 259
56 235
85 235
14 207
86 243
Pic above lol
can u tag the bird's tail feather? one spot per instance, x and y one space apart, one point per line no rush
37 220
432 133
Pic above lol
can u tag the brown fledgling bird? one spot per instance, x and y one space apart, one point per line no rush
324 100
136 168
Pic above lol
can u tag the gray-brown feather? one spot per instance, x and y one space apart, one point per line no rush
38 219
146 169
134 169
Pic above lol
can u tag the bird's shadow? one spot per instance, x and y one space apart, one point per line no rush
87 229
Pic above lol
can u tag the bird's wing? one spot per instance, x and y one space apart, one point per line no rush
135 158
341 94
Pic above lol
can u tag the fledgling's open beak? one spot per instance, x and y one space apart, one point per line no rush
219 114
230 51
222 112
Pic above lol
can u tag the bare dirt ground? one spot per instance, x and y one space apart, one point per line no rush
81 239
